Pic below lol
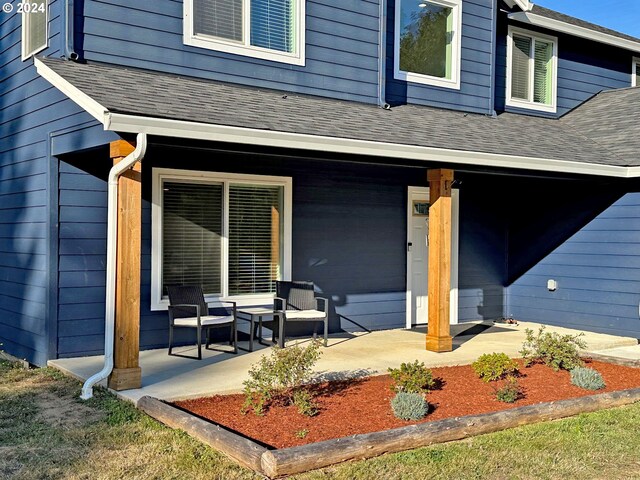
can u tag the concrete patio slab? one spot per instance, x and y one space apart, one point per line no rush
172 377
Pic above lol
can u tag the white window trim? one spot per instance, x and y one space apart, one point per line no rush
27 55
456 50
514 102
244 48
192 176
635 64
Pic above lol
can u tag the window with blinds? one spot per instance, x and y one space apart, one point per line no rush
269 29
532 70
255 232
228 233
192 236
34 27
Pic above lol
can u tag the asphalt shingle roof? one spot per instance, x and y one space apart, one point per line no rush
153 94
552 14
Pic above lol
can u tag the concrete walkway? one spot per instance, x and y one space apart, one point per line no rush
171 377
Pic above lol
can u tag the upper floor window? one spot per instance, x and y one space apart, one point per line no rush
427 41
635 72
532 70
34 27
267 29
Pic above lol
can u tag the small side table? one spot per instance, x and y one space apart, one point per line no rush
250 315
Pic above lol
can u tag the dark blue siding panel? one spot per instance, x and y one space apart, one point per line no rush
598 275
30 111
341 47
584 69
476 71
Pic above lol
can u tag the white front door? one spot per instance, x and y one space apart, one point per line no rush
418 256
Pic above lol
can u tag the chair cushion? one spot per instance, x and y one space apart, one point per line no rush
305 315
205 320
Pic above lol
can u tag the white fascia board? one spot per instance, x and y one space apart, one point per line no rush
247 136
92 107
525 5
582 32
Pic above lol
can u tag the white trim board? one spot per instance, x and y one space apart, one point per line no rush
455 247
575 30
247 136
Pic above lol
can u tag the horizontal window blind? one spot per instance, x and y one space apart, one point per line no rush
542 72
192 236
35 25
218 18
272 24
520 57
255 238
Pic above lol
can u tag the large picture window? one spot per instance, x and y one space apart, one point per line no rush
427 42
229 234
268 29
34 27
531 71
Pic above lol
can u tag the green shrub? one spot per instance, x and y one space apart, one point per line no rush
491 367
587 378
303 399
554 350
412 378
409 406
278 377
510 391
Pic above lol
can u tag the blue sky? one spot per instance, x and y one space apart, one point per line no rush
620 15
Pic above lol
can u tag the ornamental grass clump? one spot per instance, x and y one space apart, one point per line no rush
560 352
412 378
587 378
492 367
281 378
409 406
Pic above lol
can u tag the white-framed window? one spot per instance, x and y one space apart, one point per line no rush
35 26
532 70
266 29
427 47
635 72
229 233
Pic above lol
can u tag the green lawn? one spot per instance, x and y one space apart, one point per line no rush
46 432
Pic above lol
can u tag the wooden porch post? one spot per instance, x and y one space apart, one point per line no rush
126 372
439 286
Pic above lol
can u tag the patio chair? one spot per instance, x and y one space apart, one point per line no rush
188 309
296 302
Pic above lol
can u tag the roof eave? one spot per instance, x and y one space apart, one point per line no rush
575 30
525 5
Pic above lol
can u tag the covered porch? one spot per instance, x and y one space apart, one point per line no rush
173 378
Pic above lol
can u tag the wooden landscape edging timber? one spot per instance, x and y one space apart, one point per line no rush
287 461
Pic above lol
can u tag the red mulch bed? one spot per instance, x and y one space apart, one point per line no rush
362 406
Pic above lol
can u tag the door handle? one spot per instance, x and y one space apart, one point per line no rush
409 246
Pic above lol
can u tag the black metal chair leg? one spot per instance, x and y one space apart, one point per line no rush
281 332
234 326
199 343
170 338
326 332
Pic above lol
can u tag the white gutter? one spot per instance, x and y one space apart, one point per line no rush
247 136
575 30
112 236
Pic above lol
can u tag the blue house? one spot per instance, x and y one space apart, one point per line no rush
279 139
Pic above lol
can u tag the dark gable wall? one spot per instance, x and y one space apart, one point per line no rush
584 68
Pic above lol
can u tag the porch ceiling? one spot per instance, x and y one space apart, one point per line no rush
133 100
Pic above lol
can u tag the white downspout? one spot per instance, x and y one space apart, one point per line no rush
112 236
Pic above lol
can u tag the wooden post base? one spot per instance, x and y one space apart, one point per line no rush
439 344
125 378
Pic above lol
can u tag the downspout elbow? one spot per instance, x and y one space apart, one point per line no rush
112 236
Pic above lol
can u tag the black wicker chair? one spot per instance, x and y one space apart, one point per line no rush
188 309
296 302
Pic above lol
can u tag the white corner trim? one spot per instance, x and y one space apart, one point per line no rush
96 110
635 71
247 136
582 32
